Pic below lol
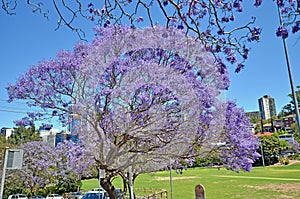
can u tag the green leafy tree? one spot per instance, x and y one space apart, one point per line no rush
258 125
290 107
281 132
22 135
254 120
297 96
286 110
284 145
294 127
271 148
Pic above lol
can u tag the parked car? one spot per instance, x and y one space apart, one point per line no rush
95 195
119 193
17 196
54 196
37 197
75 195
97 189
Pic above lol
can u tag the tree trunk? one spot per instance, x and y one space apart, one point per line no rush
107 186
125 181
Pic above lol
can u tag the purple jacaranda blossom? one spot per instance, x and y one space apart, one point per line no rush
238 6
195 13
239 68
186 15
280 3
255 34
257 3
46 166
140 19
97 12
180 27
282 32
103 10
240 138
225 19
165 2
296 27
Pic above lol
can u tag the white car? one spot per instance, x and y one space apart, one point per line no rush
54 196
17 196
75 195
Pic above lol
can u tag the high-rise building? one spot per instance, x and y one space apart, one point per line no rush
267 107
47 133
54 136
6 132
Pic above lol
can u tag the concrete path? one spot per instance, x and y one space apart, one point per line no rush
262 178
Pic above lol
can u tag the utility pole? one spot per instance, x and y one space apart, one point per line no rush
262 154
130 183
290 74
171 180
3 172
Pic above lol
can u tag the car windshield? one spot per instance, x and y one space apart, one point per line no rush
93 196
22 196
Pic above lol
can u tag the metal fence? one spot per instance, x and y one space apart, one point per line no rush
150 193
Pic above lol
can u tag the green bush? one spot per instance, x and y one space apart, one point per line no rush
286 161
294 157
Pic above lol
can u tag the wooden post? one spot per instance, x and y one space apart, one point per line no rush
199 191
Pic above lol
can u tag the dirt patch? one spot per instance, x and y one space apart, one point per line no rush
290 162
287 190
176 178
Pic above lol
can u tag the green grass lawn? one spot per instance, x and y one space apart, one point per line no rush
263 182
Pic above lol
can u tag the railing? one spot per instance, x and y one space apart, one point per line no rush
150 193
153 193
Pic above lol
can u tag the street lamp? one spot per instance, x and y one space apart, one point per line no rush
290 75
171 180
262 154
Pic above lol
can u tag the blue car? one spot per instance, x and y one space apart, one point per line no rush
95 195
37 197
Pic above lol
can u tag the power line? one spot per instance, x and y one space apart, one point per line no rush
9 107
22 112
5 100
2 110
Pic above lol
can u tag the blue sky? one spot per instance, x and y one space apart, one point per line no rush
28 38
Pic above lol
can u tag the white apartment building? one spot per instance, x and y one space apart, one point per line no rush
267 107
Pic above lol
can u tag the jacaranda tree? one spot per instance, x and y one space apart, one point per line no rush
140 98
74 163
50 169
38 165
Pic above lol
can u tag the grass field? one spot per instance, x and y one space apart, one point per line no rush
276 182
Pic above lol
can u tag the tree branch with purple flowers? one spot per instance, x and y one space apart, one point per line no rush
212 21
